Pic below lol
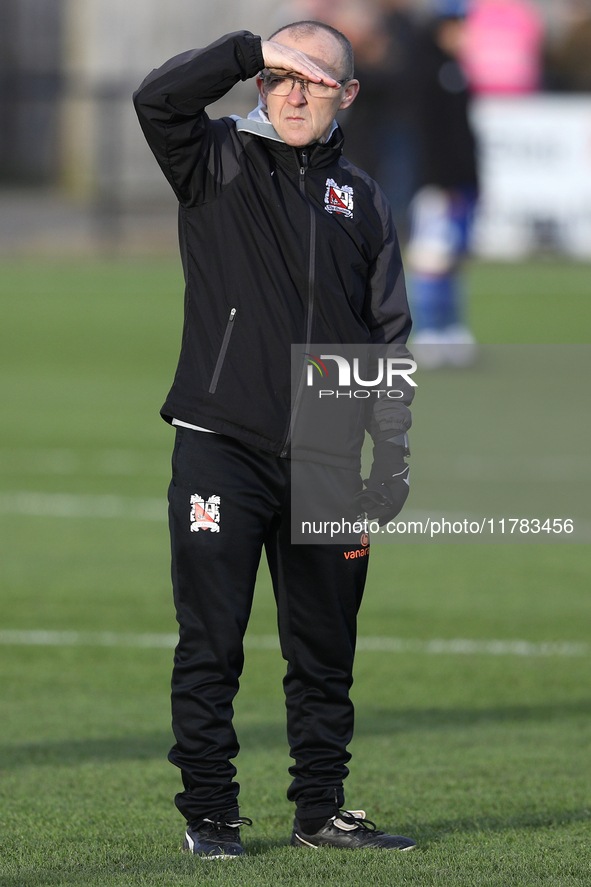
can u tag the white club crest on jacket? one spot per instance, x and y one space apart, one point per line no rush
338 200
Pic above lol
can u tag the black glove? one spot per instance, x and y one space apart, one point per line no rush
387 486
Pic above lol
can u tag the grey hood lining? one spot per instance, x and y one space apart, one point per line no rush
259 124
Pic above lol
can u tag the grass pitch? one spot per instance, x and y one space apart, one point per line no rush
481 754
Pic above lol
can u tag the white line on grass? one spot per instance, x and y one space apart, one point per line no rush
106 461
111 461
82 506
270 642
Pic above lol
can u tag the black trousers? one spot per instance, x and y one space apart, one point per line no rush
228 502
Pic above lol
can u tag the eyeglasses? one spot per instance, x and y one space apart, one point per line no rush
281 85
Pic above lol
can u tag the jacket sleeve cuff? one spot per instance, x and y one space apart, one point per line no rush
250 55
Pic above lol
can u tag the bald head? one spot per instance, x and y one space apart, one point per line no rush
303 30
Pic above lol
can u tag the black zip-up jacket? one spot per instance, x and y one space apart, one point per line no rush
265 264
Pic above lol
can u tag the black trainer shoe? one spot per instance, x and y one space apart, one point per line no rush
351 830
216 838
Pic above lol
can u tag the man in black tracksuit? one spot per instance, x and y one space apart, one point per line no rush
282 242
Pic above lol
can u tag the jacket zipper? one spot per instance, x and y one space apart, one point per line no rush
222 353
312 256
311 286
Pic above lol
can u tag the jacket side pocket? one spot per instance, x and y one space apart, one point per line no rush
221 356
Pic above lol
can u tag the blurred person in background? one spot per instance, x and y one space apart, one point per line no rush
443 206
381 126
501 51
409 128
568 59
